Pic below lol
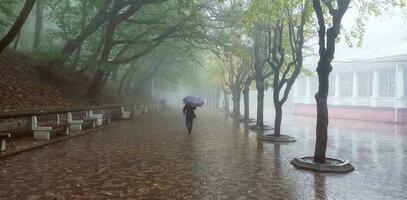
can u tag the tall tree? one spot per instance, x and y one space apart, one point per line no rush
261 71
18 24
246 96
238 72
286 68
39 18
326 43
258 21
119 45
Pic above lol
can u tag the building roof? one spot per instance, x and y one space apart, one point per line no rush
395 52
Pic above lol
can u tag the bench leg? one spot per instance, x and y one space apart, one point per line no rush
42 135
66 132
3 145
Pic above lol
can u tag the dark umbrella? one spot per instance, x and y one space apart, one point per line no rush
193 101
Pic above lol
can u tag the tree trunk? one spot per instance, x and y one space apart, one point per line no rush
17 41
246 103
236 102
246 93
95 86
260 102
277 119
83 24
277 103
18 24
124 78
324 69
217 99
226 102
101 75
38 24
77 58
129 85
93 58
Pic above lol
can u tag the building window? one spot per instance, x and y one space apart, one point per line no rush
345 85
387 83
365 84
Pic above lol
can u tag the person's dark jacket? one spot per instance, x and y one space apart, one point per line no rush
189 111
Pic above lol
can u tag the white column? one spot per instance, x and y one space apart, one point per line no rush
308 90
375 88
355 88
295 88
308 87
336 99
399 91
399 81
355 85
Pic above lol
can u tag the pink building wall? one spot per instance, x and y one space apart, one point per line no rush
376 114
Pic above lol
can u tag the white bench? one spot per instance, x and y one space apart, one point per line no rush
43 132
98 117
74 125
125 114
82 115
138 109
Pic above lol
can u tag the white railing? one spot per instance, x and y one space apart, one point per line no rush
359 101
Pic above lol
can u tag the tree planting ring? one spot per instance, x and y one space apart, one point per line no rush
247 120
235 116
258 128
331 165
281 138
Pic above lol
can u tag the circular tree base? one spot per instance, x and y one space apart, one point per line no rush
281 138
247 120
330 165
258 128
235 116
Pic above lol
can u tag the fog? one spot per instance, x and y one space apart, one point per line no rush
203 99
221 50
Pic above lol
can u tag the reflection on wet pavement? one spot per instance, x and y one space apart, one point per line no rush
153 157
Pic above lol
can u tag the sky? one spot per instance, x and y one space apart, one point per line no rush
386 30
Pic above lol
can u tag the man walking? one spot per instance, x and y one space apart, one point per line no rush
189 116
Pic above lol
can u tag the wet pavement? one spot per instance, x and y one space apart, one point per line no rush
153 157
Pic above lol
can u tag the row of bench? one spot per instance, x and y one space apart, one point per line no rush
44 126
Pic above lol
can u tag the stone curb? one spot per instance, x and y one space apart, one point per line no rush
336 165
247 120
281 138
257 128
62 139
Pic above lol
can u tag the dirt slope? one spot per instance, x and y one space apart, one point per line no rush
26 83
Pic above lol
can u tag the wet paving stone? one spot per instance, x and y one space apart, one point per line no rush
153 157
